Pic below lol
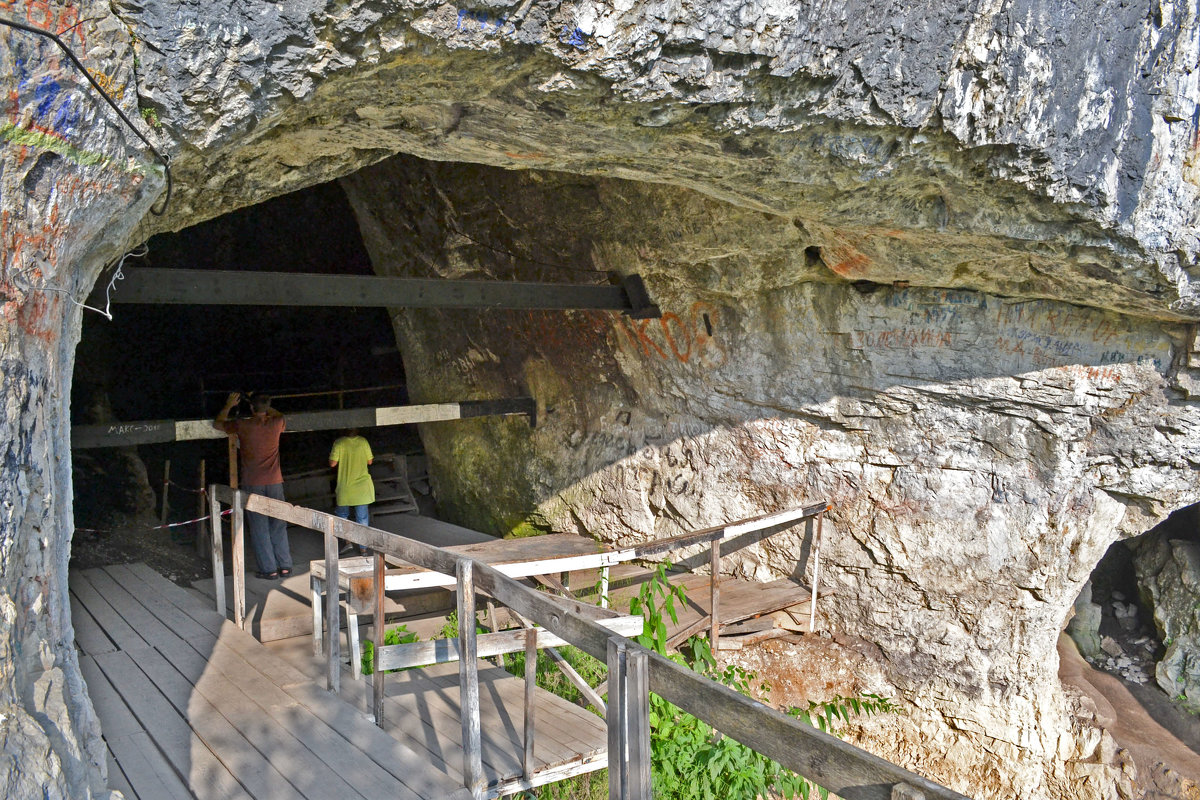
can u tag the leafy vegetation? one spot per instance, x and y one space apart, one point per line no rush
398 635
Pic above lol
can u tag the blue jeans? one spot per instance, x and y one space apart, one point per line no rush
269 535
360 516
360 513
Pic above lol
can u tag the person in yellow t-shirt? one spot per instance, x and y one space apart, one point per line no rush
351 454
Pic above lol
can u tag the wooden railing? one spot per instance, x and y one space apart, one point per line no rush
846 770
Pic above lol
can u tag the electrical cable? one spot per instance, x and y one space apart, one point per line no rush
79 65
116 276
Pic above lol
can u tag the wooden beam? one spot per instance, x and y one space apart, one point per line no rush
125 434
242 288
443 651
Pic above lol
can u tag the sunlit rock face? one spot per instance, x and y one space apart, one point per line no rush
933 264
981 452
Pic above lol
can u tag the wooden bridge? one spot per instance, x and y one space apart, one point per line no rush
193 706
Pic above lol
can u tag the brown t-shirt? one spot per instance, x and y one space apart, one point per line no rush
260 448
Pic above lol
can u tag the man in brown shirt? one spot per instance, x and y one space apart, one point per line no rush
258 437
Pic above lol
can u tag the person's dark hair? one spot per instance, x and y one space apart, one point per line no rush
260 403
351 431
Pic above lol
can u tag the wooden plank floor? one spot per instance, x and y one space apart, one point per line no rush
192 707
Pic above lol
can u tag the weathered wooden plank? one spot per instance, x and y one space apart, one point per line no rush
844 769
139 763
113 624
89 637
230 635
204 774
468 684
117 779
441 651
270 721
428 713
126 434
123 601
253 696
566 729
152 599
224 693
260 773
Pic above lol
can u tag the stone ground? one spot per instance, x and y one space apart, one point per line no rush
1131 649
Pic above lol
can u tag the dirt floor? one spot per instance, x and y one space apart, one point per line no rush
122 539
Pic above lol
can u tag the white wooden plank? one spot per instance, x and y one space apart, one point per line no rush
441 651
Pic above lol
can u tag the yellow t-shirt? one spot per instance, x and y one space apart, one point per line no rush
354 485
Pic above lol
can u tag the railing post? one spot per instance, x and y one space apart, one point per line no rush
380 630
812 607
530 685
468 680
218 550
604 587
628 717
333 611
714 591
237 524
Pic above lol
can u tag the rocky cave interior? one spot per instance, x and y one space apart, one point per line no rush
179 362
153 362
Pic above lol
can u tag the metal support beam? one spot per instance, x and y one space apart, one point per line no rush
241 288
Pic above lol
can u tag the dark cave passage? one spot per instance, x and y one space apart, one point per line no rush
181 362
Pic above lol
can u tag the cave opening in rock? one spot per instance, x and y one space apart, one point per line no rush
1137 615
179 362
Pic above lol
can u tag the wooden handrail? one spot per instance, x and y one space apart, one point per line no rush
840 767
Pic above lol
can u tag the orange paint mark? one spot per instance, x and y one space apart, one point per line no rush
853 267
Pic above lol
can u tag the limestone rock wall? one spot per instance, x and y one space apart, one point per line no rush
981 452
1027 169
73 183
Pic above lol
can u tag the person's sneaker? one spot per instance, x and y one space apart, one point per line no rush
347 548
364 551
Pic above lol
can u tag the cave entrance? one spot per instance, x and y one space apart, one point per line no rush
155 362
1131 610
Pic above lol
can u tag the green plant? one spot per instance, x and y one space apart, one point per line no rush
690 760
151 117
551 678
398 635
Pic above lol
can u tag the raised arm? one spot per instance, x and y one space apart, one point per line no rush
223 417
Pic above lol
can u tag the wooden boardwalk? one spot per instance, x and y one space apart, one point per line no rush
193 707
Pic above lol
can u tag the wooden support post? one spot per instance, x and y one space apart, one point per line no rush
604 587
530 686
333 612
232 445
202 527
316 588
812 608
218 550
379 631
468 680
162 520
237 524
628 717
714 591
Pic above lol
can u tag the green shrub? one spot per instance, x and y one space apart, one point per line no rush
398 635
